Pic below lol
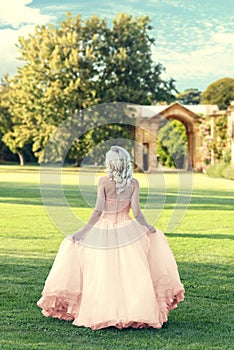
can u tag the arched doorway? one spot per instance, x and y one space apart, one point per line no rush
172 145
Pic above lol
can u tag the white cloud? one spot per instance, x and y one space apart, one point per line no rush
18 20
212 59
16 13
8 49
180 4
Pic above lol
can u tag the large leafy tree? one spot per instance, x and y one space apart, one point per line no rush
76 64
221 92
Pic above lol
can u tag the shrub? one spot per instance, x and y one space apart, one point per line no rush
228 172
221 169
216 170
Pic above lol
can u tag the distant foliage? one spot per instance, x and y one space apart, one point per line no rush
172 145
220 93
189 97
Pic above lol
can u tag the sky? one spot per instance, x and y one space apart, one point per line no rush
194 38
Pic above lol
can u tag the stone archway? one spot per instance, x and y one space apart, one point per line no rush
190 120
148 126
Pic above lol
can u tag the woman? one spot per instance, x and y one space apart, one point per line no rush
115 271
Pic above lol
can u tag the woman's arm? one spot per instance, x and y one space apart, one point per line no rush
135 204
97 212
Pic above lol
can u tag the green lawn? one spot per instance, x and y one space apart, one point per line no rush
202 244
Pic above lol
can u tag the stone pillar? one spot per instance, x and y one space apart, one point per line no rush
138 149
195 151
154 129
152 156
212 125
191 148
231 129
232 142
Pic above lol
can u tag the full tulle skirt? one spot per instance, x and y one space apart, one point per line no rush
130 285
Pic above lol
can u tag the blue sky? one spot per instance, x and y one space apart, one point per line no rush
194 38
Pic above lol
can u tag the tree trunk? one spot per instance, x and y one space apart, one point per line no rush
77 162
21 158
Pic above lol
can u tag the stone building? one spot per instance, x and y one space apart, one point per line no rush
148 121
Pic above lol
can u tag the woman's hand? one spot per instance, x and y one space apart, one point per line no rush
151 229
78 236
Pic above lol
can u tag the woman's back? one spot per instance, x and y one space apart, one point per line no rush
108 200
110 189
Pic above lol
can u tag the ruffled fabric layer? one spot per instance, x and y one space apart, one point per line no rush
135 285
63 305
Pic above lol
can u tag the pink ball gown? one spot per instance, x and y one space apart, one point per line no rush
119 274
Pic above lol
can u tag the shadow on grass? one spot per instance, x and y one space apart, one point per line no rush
29 194
200 235
202 321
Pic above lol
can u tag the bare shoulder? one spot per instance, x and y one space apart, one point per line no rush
135 182
102 180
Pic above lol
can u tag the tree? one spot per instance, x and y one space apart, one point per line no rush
129 73
221 92
78 64
14 135
189 97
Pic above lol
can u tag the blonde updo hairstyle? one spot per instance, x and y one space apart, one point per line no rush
119 167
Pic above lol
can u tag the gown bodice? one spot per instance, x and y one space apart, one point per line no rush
116 207
116 210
